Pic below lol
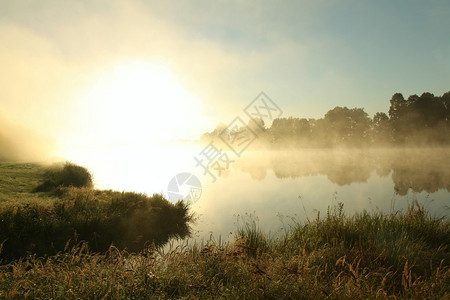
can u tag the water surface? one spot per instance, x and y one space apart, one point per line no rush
274 186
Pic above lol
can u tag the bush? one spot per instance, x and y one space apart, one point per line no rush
65 175
128 220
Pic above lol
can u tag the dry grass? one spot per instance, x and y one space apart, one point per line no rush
375 256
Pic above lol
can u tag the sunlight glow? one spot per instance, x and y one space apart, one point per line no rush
128 120
140 103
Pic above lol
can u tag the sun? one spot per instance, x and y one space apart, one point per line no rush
124 119
140 102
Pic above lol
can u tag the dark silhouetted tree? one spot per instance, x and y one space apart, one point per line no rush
381 130
347 126
397 113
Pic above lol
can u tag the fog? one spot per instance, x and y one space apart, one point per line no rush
270 184
19 143
275 185
418 169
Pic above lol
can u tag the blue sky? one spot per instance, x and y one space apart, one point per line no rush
308 56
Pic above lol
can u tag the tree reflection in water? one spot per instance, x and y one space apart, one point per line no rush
416 169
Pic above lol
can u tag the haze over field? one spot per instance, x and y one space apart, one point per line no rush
19 143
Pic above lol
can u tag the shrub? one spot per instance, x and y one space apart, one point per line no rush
65 175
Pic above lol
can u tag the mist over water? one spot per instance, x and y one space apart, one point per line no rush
270 185
416 169
274 185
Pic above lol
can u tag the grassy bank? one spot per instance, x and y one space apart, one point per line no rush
46 210
17 181
367 255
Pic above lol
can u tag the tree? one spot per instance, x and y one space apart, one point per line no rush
348 126
398 105
445 99
256 125
397 112
381 130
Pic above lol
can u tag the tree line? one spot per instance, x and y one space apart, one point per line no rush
419 120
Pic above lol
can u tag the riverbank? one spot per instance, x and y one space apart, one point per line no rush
367 255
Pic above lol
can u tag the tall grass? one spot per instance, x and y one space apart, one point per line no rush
101 218
364 256
413 242
249 236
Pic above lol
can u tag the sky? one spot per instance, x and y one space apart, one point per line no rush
87 72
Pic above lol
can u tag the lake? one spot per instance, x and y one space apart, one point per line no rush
272 187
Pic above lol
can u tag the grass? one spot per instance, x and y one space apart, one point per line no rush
398 255
17 180
61 209
101 218
401 255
